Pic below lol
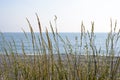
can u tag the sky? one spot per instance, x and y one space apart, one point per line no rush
70 14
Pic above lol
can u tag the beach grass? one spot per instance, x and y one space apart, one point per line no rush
48 63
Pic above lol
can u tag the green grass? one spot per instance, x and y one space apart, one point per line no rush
45 65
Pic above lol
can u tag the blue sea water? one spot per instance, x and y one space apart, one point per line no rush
17 41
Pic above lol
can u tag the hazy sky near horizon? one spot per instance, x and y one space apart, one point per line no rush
70 14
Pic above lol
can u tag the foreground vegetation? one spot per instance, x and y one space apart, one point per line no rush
45 65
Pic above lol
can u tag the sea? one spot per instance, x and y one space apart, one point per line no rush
67 42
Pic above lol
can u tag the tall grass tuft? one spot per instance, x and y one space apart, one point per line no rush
46 62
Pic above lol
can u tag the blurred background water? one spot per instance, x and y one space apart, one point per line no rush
72 42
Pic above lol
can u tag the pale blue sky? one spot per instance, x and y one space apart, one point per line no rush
69 13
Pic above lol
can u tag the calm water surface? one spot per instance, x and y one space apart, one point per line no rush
16 41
